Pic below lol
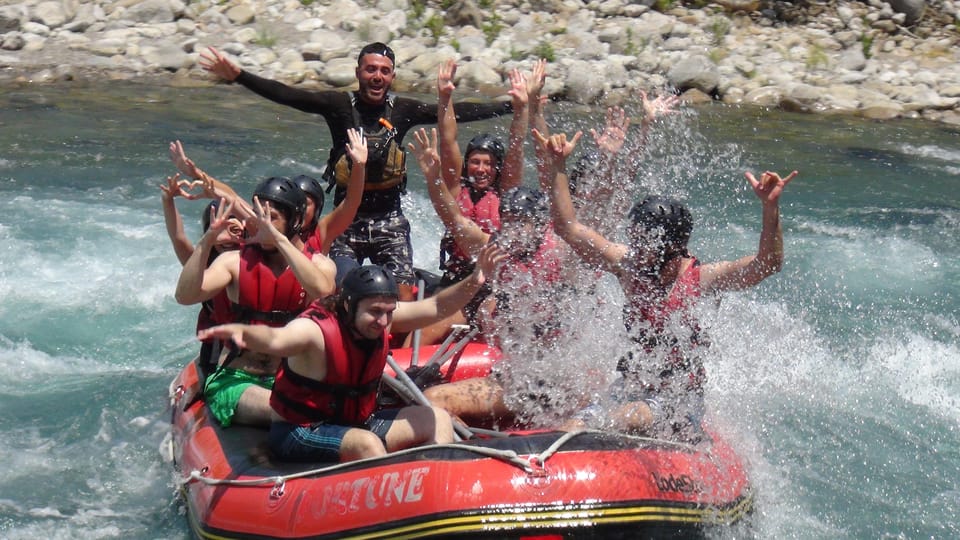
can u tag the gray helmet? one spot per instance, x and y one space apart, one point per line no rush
287 197
365 282
522 201
312 188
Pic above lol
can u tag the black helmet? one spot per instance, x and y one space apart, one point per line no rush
667 215
312 188
364 282
585 167
524 202
485 142
286 197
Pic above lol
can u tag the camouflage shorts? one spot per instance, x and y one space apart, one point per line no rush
382 238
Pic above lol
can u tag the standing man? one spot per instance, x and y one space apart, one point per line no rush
380 232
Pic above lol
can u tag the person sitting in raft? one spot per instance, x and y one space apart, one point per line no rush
477 180
217 309
325 396
525 285
269 281
660 391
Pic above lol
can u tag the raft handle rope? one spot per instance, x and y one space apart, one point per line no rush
533 464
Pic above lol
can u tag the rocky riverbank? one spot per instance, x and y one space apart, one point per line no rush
868 59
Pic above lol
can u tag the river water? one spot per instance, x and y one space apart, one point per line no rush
837 379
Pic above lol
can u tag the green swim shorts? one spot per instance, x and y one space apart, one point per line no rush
223 390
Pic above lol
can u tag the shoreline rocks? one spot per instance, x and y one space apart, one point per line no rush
875 60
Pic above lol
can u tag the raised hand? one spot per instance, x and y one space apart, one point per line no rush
266 234
219 65
614 133
770 185
660 106
536 80
220 218
180 160
488 259
356 146
518 89
445 75
174 187
425 150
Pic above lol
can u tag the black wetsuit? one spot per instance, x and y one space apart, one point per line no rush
336 108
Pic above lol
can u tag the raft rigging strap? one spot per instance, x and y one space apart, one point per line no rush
532 464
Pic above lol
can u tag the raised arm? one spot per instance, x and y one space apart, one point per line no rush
467 234
586 242
316 276
511 174
654 109
197 282
752 269
449 150
211 187
182 245
412 315
339 219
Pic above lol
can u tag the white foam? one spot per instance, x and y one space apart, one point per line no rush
921 371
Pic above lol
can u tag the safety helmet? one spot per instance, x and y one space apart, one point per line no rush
312 188
365 282
669 217
287 197
580 176
522 201
485 142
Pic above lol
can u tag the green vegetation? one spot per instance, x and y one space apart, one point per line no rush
455 44
436 26
664 5
265 38
492 29
718 54
306 2
866 42
545 50
485 4
417 9
719 28
816 57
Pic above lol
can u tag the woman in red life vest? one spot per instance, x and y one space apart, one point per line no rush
526 285
661 389
478 178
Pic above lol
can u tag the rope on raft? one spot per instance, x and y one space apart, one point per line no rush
532 464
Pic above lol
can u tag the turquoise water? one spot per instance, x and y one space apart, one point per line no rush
839 378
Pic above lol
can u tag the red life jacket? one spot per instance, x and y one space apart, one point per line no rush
348 394
215 311
265 298
314 244
542 267
651 326
485 212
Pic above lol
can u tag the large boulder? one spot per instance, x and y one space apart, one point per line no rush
695 71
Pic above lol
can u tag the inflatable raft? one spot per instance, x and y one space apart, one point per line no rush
543 485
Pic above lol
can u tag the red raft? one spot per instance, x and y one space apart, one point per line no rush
536 485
